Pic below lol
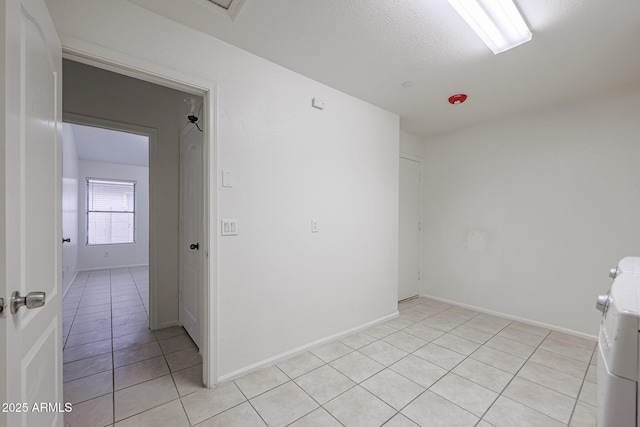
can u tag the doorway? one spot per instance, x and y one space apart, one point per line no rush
159 112
409 229
105 197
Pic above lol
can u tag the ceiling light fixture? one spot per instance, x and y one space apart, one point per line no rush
497 22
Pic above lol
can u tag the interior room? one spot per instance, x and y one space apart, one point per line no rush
394 218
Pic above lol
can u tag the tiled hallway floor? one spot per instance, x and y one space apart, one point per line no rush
434 365
114 366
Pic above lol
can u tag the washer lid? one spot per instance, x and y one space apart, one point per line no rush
630 264
625 295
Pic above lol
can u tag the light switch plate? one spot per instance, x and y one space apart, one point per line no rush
227 179
229 227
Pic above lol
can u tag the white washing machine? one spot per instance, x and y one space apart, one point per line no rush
618 363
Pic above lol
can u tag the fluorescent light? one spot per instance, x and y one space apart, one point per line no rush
497 22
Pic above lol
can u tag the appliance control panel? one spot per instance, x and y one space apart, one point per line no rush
621 324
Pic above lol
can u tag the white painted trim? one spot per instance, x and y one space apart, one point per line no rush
304 348
118 62
420 191
110 268
516 318
168 324
64 292
82 119
412 158
154 194
209 352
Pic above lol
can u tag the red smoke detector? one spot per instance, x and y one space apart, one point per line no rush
458 98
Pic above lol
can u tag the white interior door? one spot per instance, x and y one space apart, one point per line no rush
30 218
191 226
409 232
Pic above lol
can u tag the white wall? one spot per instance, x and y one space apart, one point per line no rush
280 287
411 145
69 207
525 215
91 257
93 92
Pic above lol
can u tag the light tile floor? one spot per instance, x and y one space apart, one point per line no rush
434 365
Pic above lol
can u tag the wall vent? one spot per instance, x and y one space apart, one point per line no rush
231 7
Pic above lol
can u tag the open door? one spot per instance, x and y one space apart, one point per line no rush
30 218
191 231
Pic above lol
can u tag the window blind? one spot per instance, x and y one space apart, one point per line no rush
110 211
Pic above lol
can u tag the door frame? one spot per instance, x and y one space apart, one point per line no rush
152 134
99 57
418 160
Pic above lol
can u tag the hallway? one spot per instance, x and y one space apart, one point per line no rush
114 366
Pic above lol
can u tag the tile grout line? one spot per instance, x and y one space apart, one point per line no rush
113 357
514 377
246 400
320 405
384 366
573 411
84 286
389 367
546 336
450 371
467 357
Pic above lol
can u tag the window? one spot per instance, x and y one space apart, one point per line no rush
111 213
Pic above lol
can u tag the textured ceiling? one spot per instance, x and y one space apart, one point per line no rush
368 48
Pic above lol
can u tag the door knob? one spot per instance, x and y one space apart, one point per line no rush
195 246
31 300
602 303
67 240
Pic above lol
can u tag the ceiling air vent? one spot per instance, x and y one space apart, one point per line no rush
222 3
232 7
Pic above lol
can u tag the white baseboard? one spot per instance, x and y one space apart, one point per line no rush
64 291
302 349
168 324
112 267
517 318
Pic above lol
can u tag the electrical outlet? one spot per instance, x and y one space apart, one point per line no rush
106 254
315 226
